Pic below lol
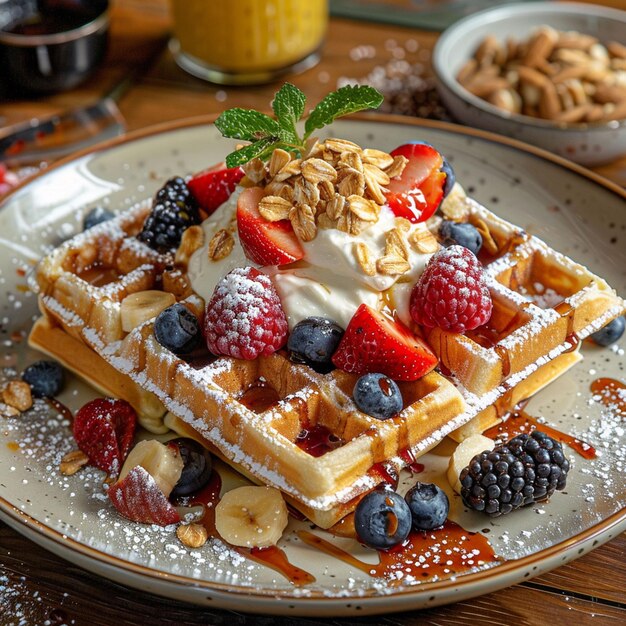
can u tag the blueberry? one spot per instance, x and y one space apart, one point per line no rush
197 469
177 329
97 215
446 168
429 506
382 519
462 234
610 333
313 342
378 396
45 378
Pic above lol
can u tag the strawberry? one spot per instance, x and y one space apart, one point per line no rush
104 430
418 192
265 243
374 343
212 187
138 498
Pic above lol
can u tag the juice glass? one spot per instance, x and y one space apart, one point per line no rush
247 41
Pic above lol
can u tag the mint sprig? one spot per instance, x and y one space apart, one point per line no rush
267 134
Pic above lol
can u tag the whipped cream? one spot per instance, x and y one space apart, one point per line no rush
328 281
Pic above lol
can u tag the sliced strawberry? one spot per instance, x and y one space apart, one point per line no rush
265 243
374 343
212 187
104 430
416 194
138 498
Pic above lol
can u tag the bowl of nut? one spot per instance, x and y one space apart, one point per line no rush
550 74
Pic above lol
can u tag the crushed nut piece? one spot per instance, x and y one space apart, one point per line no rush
221 245
302 219
365 258
192 535
18 395
72 462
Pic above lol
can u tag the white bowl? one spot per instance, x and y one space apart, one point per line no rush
587 144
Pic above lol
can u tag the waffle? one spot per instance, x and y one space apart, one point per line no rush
82 283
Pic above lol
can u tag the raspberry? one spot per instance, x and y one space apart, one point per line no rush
244 317
452 292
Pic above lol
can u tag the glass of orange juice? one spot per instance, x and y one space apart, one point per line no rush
236 42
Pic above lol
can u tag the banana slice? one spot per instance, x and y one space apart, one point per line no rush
163 463
251 517
142 306
463 454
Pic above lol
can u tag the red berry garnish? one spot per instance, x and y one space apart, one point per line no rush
244 318
139 498
452 292
374 343
212 187
104 430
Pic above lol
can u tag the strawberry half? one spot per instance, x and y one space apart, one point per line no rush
104 430
138 498
374 343
212 187
418 192
263 242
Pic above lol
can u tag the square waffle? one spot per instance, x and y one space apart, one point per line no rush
82 284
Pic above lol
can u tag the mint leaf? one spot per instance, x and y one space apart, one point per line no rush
247 124
288 105
261 148
344 101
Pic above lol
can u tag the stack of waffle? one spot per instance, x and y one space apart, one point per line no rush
303 434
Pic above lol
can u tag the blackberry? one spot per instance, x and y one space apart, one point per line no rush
525 470
174 210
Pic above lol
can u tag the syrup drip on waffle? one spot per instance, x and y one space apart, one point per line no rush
440 553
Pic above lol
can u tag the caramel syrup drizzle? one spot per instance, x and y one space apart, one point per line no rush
458 551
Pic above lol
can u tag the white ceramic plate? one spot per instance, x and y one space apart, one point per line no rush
571 209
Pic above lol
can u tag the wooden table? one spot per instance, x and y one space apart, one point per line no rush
37 587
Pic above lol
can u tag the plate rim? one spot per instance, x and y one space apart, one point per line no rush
509 572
